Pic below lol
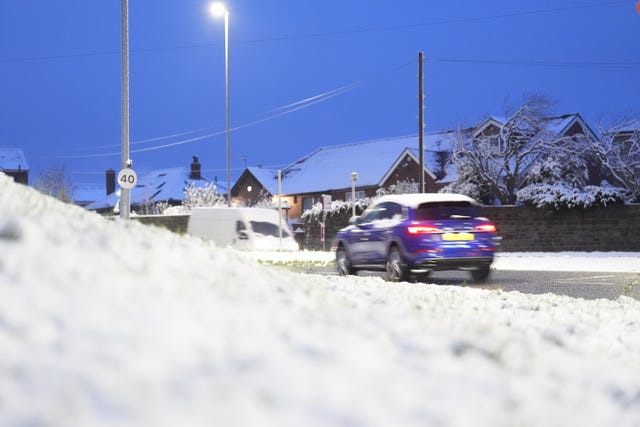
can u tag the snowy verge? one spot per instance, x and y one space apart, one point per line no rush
113 323
622 262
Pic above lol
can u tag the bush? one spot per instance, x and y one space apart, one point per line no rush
559 196
337 218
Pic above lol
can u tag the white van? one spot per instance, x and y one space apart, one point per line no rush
241 228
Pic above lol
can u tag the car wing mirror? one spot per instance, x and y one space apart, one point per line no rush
355 220
243 235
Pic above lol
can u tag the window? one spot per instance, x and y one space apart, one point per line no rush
307 203
446 210
268 229
388 210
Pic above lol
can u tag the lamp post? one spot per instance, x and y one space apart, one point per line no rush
218 9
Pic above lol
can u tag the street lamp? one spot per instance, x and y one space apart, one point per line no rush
218 9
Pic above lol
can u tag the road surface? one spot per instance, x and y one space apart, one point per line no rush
588 285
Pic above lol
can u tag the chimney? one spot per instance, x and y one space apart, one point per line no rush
111 181
195 169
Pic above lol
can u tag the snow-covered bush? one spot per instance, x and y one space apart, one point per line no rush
561 196
337 217
149 208
338 207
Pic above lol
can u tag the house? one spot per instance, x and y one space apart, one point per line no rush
159 186
380 163
566 125
14 164
254 185
627 132
328 171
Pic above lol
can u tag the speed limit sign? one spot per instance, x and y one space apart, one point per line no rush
127 178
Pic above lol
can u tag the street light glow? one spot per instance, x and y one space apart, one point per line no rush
218 9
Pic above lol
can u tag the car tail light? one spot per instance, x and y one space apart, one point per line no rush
487 228
422 229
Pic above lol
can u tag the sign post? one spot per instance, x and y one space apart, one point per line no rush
326 207
354 178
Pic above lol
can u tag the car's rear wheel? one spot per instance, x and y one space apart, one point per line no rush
481 273
343 263
396 267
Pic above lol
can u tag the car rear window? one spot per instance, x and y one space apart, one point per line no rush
446 210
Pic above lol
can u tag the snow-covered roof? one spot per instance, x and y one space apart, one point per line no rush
414 200
12 159
630 127
83 193
561 124
330 168
157 186
556 125
267 177
489 121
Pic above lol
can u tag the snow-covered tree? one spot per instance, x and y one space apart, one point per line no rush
619 154
497 166
207 195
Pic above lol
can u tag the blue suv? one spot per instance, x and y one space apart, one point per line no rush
411 235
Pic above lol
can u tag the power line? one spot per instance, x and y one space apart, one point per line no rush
327 34
276 112
442 22
550 64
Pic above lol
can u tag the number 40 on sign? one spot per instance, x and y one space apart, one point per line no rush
127 178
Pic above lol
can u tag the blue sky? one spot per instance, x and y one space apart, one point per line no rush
60 74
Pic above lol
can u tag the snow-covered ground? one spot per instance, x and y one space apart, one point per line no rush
533 261
110 323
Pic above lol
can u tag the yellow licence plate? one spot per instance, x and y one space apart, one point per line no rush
457 236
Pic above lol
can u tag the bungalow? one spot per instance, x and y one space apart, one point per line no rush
328 171
14 164
163 185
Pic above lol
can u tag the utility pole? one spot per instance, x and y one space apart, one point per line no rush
125 193
421 119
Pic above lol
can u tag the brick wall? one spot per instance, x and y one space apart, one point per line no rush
614 228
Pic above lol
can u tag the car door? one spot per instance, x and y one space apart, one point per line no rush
360 237
382 230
